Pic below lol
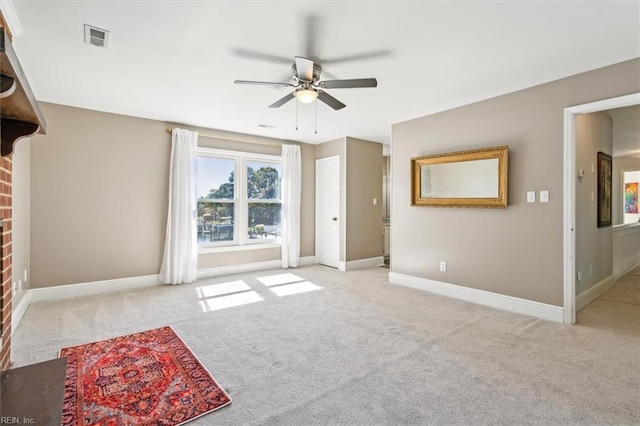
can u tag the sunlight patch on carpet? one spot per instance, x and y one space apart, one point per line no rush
214 297
213 290
297 288
279 279
287 284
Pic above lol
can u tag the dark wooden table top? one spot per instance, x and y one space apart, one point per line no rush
33 395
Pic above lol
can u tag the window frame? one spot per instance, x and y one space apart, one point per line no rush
241 200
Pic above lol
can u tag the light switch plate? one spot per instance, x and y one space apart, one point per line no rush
531 196
544 196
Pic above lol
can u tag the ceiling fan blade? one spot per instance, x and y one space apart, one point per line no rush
282 101
304 67
263 83
348 84
357 57
252 54
330 100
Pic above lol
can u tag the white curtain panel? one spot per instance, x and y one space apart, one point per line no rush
291 185
181 245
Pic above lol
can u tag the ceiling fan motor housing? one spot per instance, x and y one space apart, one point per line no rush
308 87
317 70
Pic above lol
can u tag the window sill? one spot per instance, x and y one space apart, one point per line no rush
222 249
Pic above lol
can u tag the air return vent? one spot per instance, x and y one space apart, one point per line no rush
96 36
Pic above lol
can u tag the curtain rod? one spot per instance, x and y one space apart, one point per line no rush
204 135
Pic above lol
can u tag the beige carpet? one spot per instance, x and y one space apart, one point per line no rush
324 347
626 290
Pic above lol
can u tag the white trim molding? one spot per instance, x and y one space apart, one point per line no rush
308 260
569 187
249 267
481 297
92 288
19 310
78 290
361 263
11 17
594 292
238 269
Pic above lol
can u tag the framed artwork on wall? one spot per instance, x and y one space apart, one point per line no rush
631 197
604 189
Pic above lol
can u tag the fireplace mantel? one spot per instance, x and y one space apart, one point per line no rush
19 111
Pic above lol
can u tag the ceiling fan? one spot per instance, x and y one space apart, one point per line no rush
308 87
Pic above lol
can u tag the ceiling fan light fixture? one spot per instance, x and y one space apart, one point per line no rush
306 96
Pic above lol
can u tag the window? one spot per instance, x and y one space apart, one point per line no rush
239 200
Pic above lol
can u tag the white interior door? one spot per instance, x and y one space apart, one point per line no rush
328 211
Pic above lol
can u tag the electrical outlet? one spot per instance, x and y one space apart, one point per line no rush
443 266
579 276
25 275
593 197
375 201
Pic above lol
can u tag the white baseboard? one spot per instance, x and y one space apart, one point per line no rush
92 288
238 269
481 297
308 260
249 267
361 263
591 294
19 310
77 290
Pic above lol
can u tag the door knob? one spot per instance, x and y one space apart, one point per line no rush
334 219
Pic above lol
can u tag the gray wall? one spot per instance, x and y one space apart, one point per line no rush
594 246
364 183
360 182
515 251
99 185
619 164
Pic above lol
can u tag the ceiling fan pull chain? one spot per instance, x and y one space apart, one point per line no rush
296 115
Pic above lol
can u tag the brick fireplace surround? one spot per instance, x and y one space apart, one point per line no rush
5 216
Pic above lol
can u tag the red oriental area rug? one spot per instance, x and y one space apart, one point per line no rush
149 378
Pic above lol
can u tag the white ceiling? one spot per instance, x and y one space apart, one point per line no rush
176 60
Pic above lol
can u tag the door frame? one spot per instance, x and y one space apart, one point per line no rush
569 204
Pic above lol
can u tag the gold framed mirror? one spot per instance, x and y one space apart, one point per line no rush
476 178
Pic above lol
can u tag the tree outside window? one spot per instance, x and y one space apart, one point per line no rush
263 195
242 189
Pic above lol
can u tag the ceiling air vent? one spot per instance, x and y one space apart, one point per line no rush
96 36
